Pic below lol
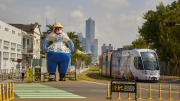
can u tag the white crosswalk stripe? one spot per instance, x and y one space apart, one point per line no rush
41 91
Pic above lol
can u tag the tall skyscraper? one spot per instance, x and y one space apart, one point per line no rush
90 29
89 43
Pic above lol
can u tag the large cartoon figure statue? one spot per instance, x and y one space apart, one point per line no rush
57 53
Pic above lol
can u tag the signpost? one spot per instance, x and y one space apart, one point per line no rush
19 60
126 88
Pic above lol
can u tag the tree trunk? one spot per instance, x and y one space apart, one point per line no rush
175 64
173 74
179 69
166 67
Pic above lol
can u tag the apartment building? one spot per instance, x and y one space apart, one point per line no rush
10 45
30 42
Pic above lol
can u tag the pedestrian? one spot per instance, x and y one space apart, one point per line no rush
23 71
28 66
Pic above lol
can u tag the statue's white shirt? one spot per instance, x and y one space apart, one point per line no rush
58 45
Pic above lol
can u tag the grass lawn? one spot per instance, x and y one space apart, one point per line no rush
95 76
173 77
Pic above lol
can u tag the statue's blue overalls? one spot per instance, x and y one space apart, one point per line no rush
57 53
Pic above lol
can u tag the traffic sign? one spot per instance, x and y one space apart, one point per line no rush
19 60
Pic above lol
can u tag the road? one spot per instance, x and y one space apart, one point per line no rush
87 89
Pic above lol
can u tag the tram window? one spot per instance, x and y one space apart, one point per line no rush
138 63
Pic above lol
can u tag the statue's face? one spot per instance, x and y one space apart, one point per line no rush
58 31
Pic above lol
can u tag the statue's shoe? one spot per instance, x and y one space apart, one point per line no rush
62 79
51 79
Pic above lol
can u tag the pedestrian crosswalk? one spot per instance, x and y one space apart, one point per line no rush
41 91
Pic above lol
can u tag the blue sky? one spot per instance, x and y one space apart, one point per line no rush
116 21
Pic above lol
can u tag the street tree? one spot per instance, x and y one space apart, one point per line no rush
163 40
138 43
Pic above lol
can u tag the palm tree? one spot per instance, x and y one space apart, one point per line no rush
50 28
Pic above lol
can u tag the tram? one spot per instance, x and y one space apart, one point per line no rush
132 63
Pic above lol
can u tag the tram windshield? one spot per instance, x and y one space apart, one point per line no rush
150 61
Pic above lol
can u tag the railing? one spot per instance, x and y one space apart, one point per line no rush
6 55
13 45
6 44
28 51
13 55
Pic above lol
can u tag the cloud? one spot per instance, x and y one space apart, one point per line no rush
77 14
111 4
156 2
3 7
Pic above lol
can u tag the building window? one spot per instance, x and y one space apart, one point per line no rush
27 41
19 34
13 32
13 45
6 43
0 26
6 29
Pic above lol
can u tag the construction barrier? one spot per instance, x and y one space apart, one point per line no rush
163 78
160 91
7 97
3 94
170 92
149 91
107 91
139 91
166 78
10 97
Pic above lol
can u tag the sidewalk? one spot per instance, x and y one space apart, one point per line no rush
84 99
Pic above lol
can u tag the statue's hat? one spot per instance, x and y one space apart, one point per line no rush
58 25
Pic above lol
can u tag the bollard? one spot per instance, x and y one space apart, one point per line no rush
166 78
149 91
79 76
163 78
139 91
3 95
114 76
129 95
107 91
118 95
0 94
160 91
10 91
7 98
170 92
179 91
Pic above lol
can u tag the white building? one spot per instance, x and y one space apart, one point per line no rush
10 45
30 42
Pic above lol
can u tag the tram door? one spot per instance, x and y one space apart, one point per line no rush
126 66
